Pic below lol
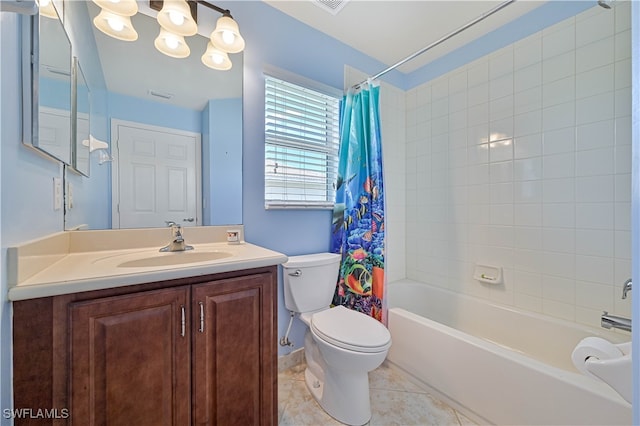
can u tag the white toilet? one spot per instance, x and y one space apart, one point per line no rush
341 345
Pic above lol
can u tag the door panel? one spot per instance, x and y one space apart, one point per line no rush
157 177
233 377
130 360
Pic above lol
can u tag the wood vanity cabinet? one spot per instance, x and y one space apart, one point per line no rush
196 351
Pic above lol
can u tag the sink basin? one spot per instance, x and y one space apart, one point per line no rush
174 258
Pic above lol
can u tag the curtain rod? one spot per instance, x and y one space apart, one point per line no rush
437 42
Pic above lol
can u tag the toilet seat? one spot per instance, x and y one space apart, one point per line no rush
350 330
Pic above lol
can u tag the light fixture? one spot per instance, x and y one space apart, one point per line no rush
45 8
177 20
171 44
216 58
175 16
226 35
116 26
119 7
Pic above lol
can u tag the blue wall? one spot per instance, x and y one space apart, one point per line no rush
27 185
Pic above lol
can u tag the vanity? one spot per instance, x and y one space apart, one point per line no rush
108 330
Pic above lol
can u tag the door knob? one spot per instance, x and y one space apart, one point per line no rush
190 219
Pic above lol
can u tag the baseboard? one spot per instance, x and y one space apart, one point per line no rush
290 360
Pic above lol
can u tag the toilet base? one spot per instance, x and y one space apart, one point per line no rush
345 398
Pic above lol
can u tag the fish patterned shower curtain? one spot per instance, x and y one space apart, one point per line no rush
358 214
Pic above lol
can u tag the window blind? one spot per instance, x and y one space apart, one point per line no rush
301 146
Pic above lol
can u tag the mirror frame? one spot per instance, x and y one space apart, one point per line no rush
77 141
31 86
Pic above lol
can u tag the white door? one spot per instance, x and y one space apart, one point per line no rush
156 176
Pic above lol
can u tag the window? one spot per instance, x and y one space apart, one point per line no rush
301 146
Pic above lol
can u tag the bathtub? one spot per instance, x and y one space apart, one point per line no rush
498 364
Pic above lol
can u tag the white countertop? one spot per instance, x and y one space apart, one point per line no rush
54 273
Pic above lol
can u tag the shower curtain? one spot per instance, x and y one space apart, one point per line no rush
358 214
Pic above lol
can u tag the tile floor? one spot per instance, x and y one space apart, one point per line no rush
394 401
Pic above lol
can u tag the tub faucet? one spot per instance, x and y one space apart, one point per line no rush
626 288
177 243
613 321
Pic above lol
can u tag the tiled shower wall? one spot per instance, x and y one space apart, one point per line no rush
522 160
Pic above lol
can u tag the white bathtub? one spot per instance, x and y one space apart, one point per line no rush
501 365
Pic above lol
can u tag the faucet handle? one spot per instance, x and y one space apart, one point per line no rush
626 288
170 223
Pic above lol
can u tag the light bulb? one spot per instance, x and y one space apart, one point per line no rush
172 42
176 18
217 59
228 37
115 24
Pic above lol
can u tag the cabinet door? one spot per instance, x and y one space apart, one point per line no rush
234 373
130 361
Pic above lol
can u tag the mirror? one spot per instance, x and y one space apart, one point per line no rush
47 86
140 85
82 121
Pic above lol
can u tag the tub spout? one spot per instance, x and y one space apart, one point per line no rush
613 321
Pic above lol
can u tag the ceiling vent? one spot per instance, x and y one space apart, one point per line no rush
331 6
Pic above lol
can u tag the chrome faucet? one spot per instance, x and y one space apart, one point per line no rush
613 321
626 288
177 243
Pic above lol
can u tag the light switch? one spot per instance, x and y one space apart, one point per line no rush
57 193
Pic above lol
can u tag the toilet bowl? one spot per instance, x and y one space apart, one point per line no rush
351 344
341 345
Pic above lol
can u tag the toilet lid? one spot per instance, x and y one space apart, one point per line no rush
350 330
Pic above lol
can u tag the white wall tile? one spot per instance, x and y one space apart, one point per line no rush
478 72
558 42
594 189
559 141
559 91
528 169
527 51
559 67
528 146
558 215
527 123
595 162
594 242
559 239
527 77
558 289
594 55
501 63
501 86
522 158
595 135
501 151
558 190
595 27
595 269
595 108
558 165
528 215
501 108
622 45
595 81
561 116
595 216
528 100
478 94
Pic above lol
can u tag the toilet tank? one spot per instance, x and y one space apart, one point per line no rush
310 281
